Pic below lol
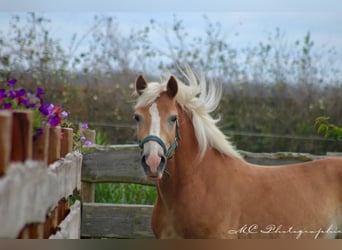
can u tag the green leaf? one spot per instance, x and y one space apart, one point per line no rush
322 128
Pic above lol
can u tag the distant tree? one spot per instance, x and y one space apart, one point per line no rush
328 129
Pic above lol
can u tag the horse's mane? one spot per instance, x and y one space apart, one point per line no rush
200 99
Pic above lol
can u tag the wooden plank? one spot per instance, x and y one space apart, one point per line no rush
22 127
113 164
120 163
30 190
88 191
69 228
27 193
5 140
90 135
76 158
116 221
54 151
66 141
41 146
68 172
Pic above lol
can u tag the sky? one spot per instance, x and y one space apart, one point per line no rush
245 22
174 5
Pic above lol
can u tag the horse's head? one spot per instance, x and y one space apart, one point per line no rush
157 124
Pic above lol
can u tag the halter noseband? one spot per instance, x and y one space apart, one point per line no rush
167 152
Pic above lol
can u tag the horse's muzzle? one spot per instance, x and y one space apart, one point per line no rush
153 166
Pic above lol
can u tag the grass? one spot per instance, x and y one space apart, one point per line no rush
125 193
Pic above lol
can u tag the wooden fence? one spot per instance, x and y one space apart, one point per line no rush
37 178
120 164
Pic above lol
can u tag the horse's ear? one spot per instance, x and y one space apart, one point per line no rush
172 87
140 84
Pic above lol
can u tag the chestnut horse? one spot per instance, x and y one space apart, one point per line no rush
206 190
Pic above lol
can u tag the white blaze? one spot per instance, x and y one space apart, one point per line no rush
154 148
155 120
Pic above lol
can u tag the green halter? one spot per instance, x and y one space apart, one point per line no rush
168 151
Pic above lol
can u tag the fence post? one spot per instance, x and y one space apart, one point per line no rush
5 140
22 127
54 144
90 135
88 188
41 145
67 141
88 192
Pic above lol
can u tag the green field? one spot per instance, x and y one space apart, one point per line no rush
125 193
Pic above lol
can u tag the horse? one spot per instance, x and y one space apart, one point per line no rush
205 189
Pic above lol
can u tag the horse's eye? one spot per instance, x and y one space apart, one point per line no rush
173 118
137 117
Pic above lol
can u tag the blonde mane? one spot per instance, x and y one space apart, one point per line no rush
200 99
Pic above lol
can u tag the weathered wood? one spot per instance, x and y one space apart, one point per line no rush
22 127
54 144
30 190
67 141
27 192
67 228
67 171
36 231
116 221
120 163
90 135
41 146
88 191
113 164
70 226
88 188
5 140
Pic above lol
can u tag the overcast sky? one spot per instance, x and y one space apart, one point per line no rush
174 5
246 22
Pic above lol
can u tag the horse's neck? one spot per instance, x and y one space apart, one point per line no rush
185 164
187 151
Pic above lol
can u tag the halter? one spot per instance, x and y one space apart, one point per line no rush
157 139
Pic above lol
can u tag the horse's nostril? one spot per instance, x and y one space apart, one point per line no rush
162 162
156 169
144 164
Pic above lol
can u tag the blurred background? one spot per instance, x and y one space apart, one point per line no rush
279 70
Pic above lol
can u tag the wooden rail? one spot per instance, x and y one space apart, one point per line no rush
37 178
120 164
33 197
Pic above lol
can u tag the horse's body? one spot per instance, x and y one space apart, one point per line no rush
209 191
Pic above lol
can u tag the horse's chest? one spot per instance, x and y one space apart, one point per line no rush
172 225
164 224
169 232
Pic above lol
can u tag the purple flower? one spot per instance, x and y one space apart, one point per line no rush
84 126
43 109
3 93
12 94
40 91
31 105
50 108
24 101
8 105
64 114
54 120
87 143
20 92
11 82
